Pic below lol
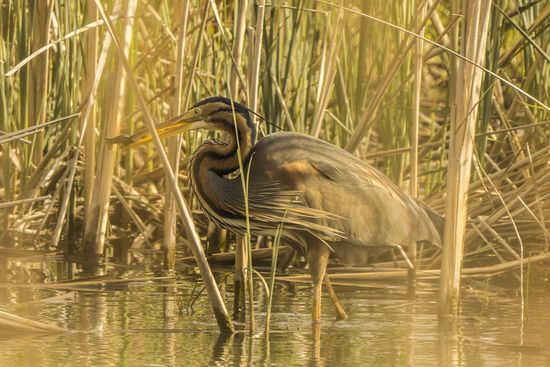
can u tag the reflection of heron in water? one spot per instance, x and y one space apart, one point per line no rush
331 203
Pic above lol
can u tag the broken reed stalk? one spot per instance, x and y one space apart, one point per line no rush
466 94
216 301
174 143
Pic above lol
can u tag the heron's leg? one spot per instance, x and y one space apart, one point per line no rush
340 312
317 258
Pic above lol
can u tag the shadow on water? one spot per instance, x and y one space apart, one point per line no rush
158 320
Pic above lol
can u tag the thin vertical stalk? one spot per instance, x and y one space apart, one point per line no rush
274 256
414 132
327 75
247 237
239 283
86 89
241 253
196 53
4 125
255 61
38 78
174 143
240 28
256 57
464 111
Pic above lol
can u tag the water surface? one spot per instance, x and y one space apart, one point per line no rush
160 322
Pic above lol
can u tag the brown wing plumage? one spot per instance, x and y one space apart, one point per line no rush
365 206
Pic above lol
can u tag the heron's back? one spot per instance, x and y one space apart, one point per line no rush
369 209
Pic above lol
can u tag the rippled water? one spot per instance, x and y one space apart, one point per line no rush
151 323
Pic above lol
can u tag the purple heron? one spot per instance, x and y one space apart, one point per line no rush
330 202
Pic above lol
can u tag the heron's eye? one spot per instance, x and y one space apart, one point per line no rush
196 111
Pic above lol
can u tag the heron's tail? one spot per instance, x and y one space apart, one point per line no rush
437 219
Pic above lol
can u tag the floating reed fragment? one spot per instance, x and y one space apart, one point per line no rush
17 324
481 271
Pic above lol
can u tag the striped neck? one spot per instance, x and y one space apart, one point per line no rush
215 159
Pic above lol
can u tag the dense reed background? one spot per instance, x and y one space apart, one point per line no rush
327 68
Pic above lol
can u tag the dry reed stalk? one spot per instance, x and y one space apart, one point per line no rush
9 204
512 200
235 68
281 98
478 271
238 43
411 251
174 143
255 42
214 295
95 235
16 323
539 201
20 134
241 248
255 57
38 83
41 50
327 75
438 25
49 167
466 88
240 259
85 90
196 53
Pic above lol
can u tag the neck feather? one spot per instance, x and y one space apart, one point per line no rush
213 160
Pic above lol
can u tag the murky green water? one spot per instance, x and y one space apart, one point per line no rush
151 323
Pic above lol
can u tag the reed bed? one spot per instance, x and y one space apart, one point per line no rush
350 74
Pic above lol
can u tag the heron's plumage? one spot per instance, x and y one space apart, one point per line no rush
315 188
369 209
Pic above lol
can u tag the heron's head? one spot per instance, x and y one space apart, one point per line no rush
213 113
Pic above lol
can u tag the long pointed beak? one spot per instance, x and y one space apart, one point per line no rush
166 129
